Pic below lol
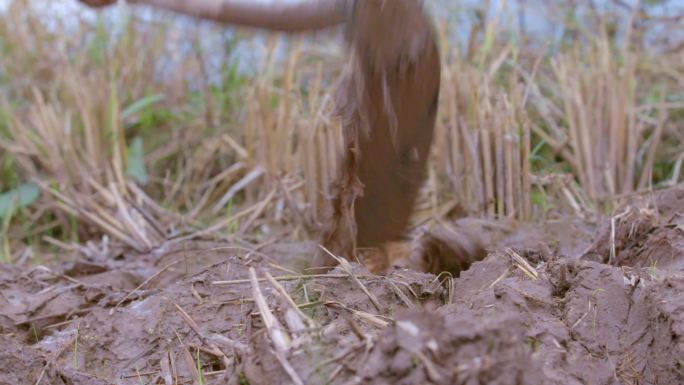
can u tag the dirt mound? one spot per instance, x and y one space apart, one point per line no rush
428 347
646 233
100 327
214 313
20 364
453 247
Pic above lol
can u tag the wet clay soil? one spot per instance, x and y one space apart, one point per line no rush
559 306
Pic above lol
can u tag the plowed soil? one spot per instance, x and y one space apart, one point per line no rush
559 303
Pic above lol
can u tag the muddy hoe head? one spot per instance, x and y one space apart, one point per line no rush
387 104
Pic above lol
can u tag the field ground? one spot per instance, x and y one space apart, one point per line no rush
601 309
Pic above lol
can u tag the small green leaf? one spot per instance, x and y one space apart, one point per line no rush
19 197
141 105
136 161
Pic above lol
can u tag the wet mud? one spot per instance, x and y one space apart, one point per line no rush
563 303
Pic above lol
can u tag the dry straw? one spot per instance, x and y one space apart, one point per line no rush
521 129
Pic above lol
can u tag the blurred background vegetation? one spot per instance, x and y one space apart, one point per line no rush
135 128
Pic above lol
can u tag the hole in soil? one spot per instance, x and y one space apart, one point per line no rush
444 251
216 366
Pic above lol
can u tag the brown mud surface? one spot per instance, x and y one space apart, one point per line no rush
562 303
